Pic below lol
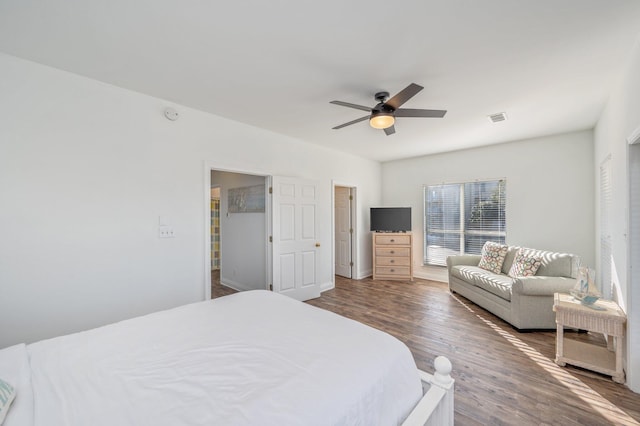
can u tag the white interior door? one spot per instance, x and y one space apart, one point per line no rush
295 239
343 231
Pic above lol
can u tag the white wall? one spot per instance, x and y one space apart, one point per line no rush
550 191
619 119
243 254
87 168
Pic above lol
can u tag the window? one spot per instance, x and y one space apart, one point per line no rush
460 217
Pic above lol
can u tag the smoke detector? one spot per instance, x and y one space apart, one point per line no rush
171 114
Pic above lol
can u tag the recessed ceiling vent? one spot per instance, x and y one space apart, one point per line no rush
498 117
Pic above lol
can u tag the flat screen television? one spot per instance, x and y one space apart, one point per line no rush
391 219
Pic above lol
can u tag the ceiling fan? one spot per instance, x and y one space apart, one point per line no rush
383 115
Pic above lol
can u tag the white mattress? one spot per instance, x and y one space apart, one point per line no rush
251 358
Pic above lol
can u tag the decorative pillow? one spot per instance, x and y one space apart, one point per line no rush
7 395
524 265
493 255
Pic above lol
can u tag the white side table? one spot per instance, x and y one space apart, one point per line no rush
609 321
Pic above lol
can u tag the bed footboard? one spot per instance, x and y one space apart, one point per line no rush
436 405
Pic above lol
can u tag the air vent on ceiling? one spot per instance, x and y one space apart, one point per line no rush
498 117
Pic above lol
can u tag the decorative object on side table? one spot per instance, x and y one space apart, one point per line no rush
585 289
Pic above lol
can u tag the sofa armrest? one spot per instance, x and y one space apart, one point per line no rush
542 286
463 259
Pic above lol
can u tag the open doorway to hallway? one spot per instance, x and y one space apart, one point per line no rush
238 231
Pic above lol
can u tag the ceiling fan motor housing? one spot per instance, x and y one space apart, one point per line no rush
382 108
381 96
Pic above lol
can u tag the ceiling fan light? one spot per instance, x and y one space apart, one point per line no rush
381 121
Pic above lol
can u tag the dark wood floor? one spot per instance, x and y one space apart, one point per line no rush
503 377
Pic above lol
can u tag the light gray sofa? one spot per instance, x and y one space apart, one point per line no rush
525 302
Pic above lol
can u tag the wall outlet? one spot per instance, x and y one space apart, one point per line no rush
166 232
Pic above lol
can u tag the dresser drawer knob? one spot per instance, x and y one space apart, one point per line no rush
391 261
393 251
393 241
393 270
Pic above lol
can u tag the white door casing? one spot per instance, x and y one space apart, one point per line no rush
343 231
295 239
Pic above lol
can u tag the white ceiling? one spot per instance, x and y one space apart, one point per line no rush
549 64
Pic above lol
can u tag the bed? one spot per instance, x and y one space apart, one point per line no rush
250 358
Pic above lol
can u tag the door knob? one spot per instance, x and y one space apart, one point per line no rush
317 244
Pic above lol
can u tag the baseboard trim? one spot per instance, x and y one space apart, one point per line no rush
430 277
237 286
364 274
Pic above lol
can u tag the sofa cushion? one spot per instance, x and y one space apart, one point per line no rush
508 259
500 285
556 264
525 265
467 273
493 256
553 264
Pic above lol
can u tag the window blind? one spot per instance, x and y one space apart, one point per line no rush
460 218
606 198
443 223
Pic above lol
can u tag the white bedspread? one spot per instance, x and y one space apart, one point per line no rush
253 358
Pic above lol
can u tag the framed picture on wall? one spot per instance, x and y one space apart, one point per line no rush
247 199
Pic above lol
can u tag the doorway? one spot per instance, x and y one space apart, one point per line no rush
239 230
344 230
269 235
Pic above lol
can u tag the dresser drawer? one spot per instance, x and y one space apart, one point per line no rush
392 270
392 261
401 240
393 251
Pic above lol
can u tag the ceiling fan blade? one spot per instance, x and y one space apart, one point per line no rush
404 95
357 120
347 104
408 112
390 130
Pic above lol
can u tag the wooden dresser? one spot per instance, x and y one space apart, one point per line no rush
392 256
